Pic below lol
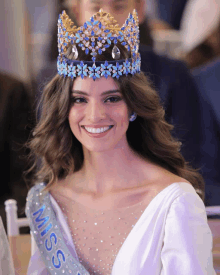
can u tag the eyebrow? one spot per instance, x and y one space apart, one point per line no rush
104 93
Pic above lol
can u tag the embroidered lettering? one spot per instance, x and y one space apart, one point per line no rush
52 235
46 229
39 219
59 252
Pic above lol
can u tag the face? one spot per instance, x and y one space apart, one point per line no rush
118 8
98 116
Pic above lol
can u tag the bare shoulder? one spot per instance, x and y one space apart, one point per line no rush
160 179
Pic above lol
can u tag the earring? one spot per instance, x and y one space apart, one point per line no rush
133 116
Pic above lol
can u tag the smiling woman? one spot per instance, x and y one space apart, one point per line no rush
112 193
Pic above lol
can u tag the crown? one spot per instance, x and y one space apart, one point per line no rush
94 37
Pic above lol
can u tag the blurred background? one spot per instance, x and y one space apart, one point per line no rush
182 33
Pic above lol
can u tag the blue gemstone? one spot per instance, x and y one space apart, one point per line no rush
131 16
107 46
99 38
92 19
100 25
89 23
100 51
95 23
93 44
120 33
92 33
65 44
87 51
64 29
85 25
86 38
123 28
119 37
123 43
93 58
115 41
81 45
109 41
61 36
128 35
128 48
131 29
106 31
78 40
80 31
127 21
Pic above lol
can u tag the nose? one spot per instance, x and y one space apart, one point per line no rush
96 111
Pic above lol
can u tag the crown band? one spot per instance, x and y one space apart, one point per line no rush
94 37
74 68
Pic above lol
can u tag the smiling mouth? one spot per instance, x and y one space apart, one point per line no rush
97 130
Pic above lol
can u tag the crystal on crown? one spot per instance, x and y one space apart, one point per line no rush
116 52
75 52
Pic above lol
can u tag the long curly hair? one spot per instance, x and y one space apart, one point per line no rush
57 152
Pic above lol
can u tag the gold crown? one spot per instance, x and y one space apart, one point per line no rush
98 34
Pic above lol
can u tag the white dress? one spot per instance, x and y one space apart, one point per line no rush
171 237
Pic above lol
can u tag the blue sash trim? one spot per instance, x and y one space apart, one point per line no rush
48 236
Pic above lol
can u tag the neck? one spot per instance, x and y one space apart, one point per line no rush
110 171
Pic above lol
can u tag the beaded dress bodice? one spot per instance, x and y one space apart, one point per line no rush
98 235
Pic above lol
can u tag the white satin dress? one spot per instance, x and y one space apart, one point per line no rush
171 237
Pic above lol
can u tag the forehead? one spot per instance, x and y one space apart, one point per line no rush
107 2
90 86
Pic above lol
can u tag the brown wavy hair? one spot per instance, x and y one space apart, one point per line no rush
57 152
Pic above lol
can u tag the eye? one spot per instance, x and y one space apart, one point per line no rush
113 99
78 100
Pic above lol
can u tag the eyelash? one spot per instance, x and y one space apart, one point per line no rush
73 99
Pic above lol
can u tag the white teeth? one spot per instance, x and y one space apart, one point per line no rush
97 130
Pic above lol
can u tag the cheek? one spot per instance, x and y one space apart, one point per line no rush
121 116
73 117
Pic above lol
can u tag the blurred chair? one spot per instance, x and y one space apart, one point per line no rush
20 245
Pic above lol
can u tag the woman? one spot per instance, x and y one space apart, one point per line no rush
116 196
